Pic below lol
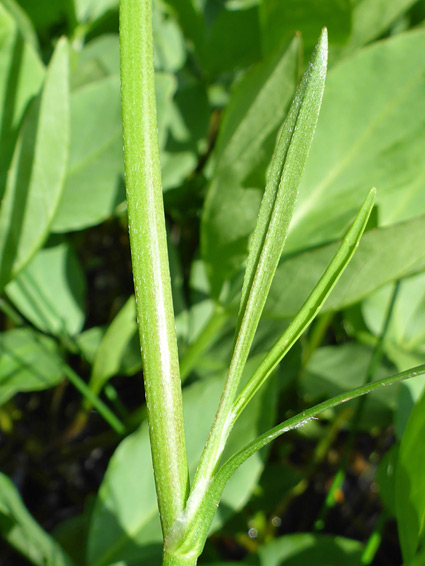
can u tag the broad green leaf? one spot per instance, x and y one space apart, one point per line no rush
406 332
187 119
311 307
371 131
410 483
385 478
21 77
97 60
90 10
371 18
410 393
121 530
418 559
37 172
334 369
169 45
94 184
88 342
23 23
72 533
233 41
224 38
113 346
28 362
181 315
21 531
187 537
45 13
320 550
256 109
384 255
404 343
278 19
191 20
51 290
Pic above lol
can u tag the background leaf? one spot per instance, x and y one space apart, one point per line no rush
28 362
256 110
18 59
410 483
334 369
378 142
280 19
35 180
301 549
24 533
132 532
51 291
384 255
94 185
373 17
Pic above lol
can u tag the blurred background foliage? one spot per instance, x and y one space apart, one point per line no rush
346 488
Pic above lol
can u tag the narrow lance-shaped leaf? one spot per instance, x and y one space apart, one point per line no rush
311 306
269 237
198 519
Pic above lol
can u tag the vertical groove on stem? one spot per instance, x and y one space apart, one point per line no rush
150 260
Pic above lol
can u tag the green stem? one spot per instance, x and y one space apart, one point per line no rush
150 260
171 560
202 343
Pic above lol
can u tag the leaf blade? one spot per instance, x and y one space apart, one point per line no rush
311 307
35 180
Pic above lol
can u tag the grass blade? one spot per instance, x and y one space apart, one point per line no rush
268 240
311 307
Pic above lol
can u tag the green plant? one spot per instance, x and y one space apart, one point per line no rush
187 511
204 98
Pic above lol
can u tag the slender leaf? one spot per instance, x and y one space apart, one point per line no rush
122 530
247 136
384 255
20 530
37 173
311 307
268 239
188 535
